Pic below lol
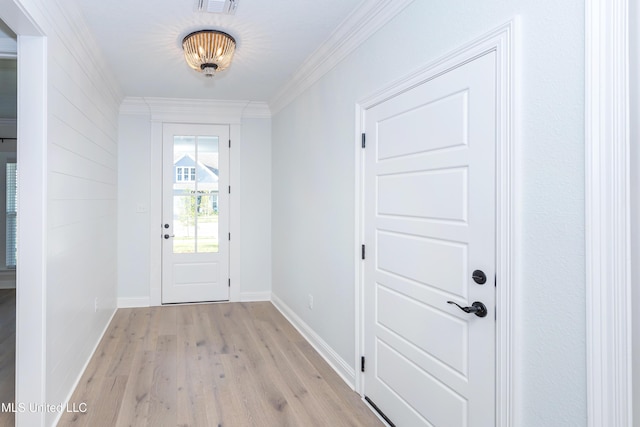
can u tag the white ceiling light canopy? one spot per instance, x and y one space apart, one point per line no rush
208 51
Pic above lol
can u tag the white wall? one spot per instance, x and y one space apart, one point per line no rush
255 214
81 193
136 255
133 193
313 188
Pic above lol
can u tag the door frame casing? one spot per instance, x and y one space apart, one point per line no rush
190 111
502 40
31 271
609 202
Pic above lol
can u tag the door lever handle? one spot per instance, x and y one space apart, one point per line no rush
477 308
166 236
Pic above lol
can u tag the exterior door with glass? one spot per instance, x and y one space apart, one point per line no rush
195 228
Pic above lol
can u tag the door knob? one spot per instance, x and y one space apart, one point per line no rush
477 308
166 236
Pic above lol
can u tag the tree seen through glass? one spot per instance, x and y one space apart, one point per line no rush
195 194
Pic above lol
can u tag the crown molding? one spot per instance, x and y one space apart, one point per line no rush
256 110
194 110
363 22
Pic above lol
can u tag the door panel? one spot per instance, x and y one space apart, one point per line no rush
195 253
403 194
429 221
429 342
444 120
400 375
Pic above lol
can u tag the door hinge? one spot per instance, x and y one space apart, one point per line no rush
362 364
364 140
229 282
229 143
229 236
363 252
229 189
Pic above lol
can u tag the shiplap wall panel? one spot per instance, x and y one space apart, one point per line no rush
66 212
73 241
83 103
67 187
74 164
96 128
70 139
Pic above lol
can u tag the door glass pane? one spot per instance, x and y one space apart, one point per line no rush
184 195
206 172
195 194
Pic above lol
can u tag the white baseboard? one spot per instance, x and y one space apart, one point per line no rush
133 302
84 368
255 296
342 368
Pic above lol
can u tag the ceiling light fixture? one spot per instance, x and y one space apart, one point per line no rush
208 51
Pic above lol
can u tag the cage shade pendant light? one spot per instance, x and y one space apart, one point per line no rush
208 51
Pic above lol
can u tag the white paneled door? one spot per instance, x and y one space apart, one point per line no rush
429 215
195 228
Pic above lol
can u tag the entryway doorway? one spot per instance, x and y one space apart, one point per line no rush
8 218
195 228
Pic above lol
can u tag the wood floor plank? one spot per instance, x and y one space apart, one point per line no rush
294 390
7 353
136 397
94 380
105 411
225 365
220 404
251 383
163 403
326 400
191 407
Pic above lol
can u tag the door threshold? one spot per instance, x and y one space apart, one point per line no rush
194 302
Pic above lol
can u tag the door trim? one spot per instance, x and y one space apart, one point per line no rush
31 274
608 191
192 112
502 40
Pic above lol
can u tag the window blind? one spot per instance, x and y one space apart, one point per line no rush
12 214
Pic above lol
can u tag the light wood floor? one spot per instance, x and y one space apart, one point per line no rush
225 365
7 352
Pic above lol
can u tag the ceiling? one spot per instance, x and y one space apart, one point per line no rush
142 42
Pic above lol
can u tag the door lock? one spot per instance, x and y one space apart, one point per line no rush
479 277
477 308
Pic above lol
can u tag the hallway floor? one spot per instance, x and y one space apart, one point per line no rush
235 365
7 352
